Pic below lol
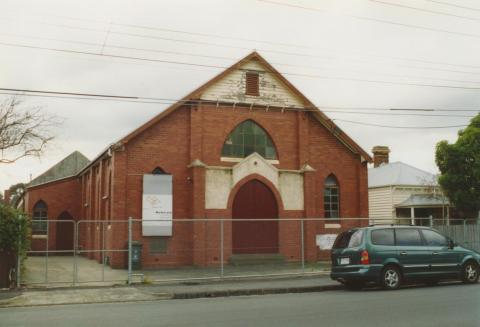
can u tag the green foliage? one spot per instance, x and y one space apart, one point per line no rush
459 164
14 230
17 192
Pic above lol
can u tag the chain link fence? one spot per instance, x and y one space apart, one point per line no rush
109 252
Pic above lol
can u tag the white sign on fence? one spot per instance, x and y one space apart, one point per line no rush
325 241
157 204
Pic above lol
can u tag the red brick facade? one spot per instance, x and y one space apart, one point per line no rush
61 197
110 188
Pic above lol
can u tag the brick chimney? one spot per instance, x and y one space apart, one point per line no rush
380 155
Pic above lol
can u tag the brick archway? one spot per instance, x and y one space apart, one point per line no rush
254 200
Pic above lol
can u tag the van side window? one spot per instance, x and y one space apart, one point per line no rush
383 237
433 238
408 237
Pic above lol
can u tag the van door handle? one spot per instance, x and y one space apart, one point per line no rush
403 253
435 253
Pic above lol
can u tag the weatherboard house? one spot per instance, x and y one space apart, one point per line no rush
245 145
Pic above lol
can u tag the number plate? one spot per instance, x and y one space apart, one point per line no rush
344 261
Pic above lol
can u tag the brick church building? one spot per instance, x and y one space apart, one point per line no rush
245 145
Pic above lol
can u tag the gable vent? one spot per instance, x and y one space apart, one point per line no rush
252 85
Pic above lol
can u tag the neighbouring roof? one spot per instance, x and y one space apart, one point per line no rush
399 173
67 167
424 200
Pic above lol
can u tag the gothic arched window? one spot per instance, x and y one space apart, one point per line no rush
331 195
40 218
247 138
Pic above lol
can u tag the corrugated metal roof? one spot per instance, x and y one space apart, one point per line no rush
399 173
67 167
424 200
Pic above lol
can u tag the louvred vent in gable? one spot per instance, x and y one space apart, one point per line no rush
252 85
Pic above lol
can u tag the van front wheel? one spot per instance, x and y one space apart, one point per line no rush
470 273
391 278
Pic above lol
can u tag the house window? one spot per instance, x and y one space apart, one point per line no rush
331 198
246 139
40 218
252 84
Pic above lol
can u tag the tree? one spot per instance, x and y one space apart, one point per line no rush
17 191
23 132
459 164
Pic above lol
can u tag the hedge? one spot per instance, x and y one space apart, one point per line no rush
14 230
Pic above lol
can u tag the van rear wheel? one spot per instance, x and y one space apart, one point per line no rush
391 278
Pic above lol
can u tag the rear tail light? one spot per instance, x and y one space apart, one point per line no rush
365 259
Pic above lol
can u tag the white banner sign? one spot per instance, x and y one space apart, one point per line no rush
325 241
157 205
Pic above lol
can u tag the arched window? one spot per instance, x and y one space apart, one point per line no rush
247 138
159 171
331 197
40 218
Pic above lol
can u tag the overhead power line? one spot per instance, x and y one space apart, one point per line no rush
193 102
103 46
170 101
289 53
424 10
372 81
400 127
453 5
376 20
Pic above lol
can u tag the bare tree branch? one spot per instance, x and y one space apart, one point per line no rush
23 132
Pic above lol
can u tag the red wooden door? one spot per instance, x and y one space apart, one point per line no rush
254 200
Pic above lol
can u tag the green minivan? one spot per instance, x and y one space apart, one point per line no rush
390 254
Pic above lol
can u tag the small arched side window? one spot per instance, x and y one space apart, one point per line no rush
247 138
40 218
331 195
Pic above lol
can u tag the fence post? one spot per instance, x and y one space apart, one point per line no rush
221 249
302 245
103 251
19 245
129 250
75 250
431 220
46 253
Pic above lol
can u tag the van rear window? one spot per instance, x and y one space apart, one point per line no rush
349 239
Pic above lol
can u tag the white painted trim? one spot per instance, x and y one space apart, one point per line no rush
42 236
333 226
228 159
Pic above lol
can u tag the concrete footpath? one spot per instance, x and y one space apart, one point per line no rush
187 290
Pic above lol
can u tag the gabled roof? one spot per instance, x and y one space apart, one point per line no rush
68 167
196 94
399 173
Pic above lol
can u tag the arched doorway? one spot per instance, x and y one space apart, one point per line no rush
254 200
64 234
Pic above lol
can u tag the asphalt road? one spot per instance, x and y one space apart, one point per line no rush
445 305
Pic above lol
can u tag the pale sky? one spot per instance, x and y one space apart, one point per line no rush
334 44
